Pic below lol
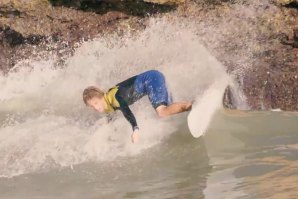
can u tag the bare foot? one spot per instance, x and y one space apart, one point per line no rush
188 106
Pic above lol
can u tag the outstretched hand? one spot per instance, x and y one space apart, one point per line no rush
135 136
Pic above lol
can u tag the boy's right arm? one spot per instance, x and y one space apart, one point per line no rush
127 113
130 117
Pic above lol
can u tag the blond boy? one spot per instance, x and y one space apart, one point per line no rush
150 83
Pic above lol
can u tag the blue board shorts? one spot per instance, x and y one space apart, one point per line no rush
153 84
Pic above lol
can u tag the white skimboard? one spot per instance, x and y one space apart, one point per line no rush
203 110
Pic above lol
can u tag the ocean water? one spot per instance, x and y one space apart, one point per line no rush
52 146
240 156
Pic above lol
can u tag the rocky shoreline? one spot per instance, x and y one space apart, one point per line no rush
264 37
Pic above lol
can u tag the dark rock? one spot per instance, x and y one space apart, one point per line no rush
228 101
4 57
12 37
136 7
34 39
4 53
295 34
293 4
9 11
295 38
284 39
290 40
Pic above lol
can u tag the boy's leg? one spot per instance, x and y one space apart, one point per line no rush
178 107
159 98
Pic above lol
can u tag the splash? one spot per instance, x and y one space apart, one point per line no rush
44 123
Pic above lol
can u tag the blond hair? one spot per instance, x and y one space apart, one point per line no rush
91 92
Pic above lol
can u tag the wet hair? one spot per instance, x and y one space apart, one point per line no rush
91 92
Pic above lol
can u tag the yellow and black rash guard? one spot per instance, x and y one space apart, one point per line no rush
120 97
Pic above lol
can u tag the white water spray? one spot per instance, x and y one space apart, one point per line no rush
44 123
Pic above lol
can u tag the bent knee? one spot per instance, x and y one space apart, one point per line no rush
161 112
